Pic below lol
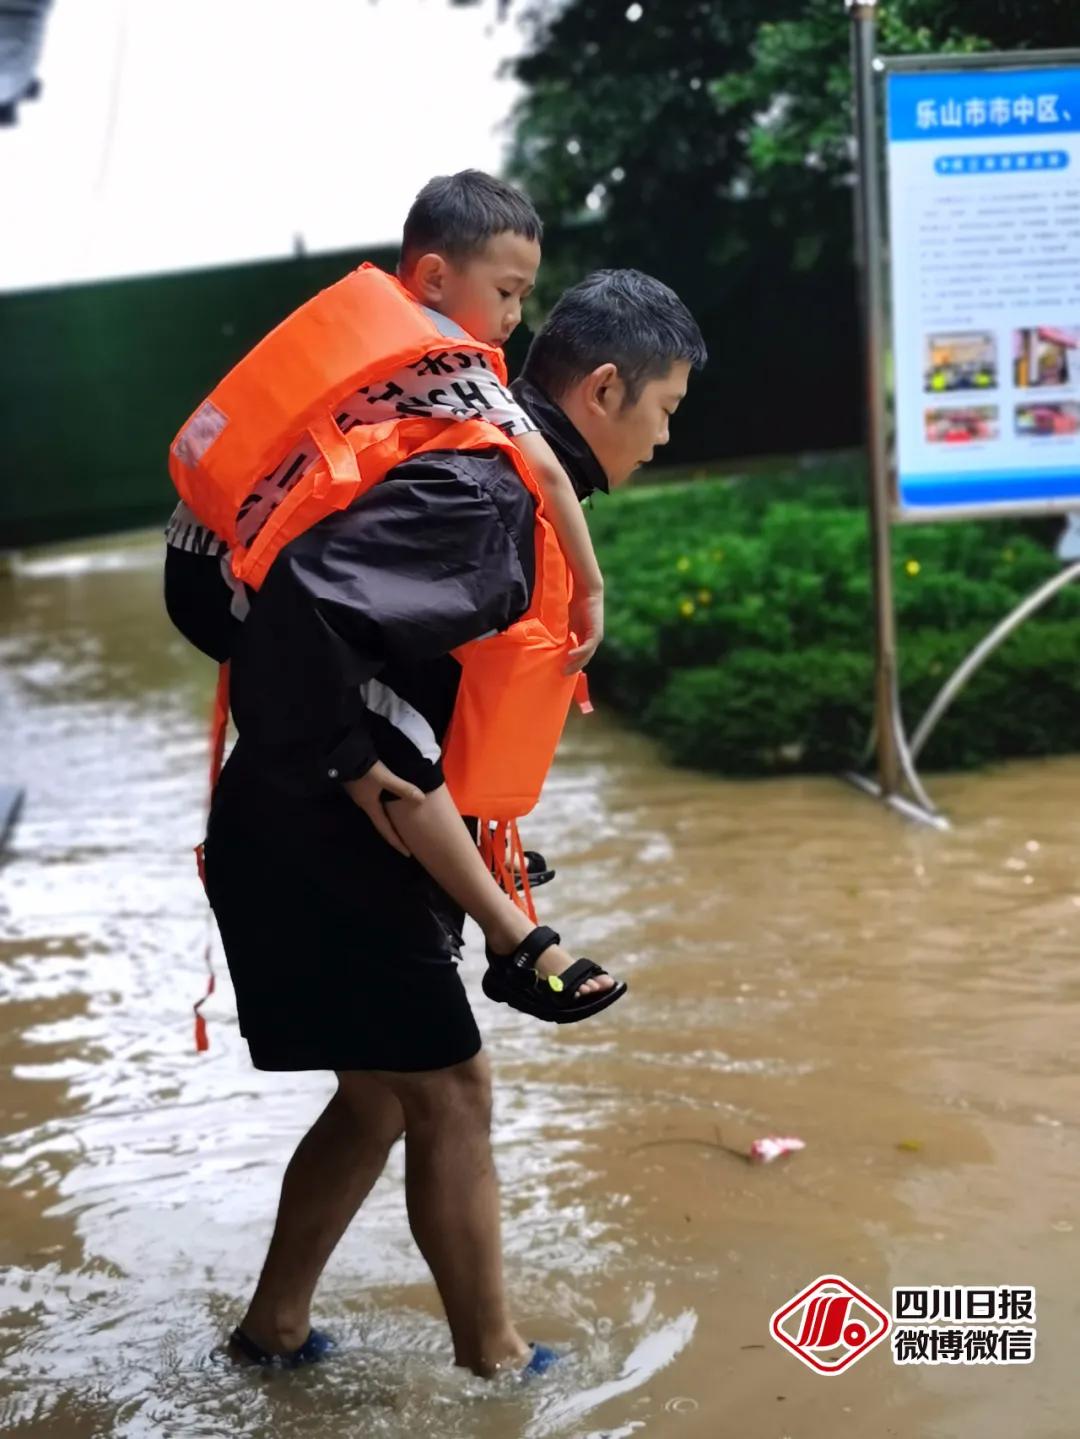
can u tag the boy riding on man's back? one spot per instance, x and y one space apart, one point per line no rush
469 256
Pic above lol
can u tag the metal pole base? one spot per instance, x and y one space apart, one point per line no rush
905 807
900 772
984 649
923 808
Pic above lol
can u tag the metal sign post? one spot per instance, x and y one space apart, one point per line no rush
985 334
894 763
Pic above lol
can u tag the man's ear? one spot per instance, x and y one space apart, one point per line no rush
597 389
428 278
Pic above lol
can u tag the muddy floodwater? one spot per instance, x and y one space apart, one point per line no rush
801 963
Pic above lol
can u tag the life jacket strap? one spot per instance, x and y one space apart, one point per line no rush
341 478
501 849
581 694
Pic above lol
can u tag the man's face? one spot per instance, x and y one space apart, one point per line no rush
623 436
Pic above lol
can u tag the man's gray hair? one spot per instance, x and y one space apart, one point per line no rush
618 317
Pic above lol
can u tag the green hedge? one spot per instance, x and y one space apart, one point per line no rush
739 626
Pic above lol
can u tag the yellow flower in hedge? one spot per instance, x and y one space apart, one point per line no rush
682 564
718 556
1008 556
913 567
686 609
704 597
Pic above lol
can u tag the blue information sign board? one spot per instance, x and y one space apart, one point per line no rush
984 223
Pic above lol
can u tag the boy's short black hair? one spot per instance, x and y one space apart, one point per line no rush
619 317
456 215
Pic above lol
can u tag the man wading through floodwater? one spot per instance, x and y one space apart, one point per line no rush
342 948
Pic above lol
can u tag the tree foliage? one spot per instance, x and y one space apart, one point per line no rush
708 143
619 124
796 79
648 117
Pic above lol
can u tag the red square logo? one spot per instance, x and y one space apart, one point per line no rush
830 1325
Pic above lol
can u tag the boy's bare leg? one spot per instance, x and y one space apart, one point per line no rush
433 831
452 1195
330 1175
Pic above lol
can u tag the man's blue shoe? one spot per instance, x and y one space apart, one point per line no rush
541 1361
315 1347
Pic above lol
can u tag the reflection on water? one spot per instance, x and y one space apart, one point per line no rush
800 963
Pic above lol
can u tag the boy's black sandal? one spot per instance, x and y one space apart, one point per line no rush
512 979
539 873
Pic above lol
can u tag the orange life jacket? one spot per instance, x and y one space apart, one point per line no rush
513 698
359 330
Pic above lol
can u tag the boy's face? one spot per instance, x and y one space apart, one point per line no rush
623 436
484 293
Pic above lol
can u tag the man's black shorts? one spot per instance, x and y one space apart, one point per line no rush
341 950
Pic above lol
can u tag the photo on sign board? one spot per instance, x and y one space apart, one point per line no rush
1036 421
960 362
1045 356
962 425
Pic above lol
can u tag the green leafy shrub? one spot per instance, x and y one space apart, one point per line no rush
740 626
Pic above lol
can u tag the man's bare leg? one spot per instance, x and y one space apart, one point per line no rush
452 1195
330 1175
